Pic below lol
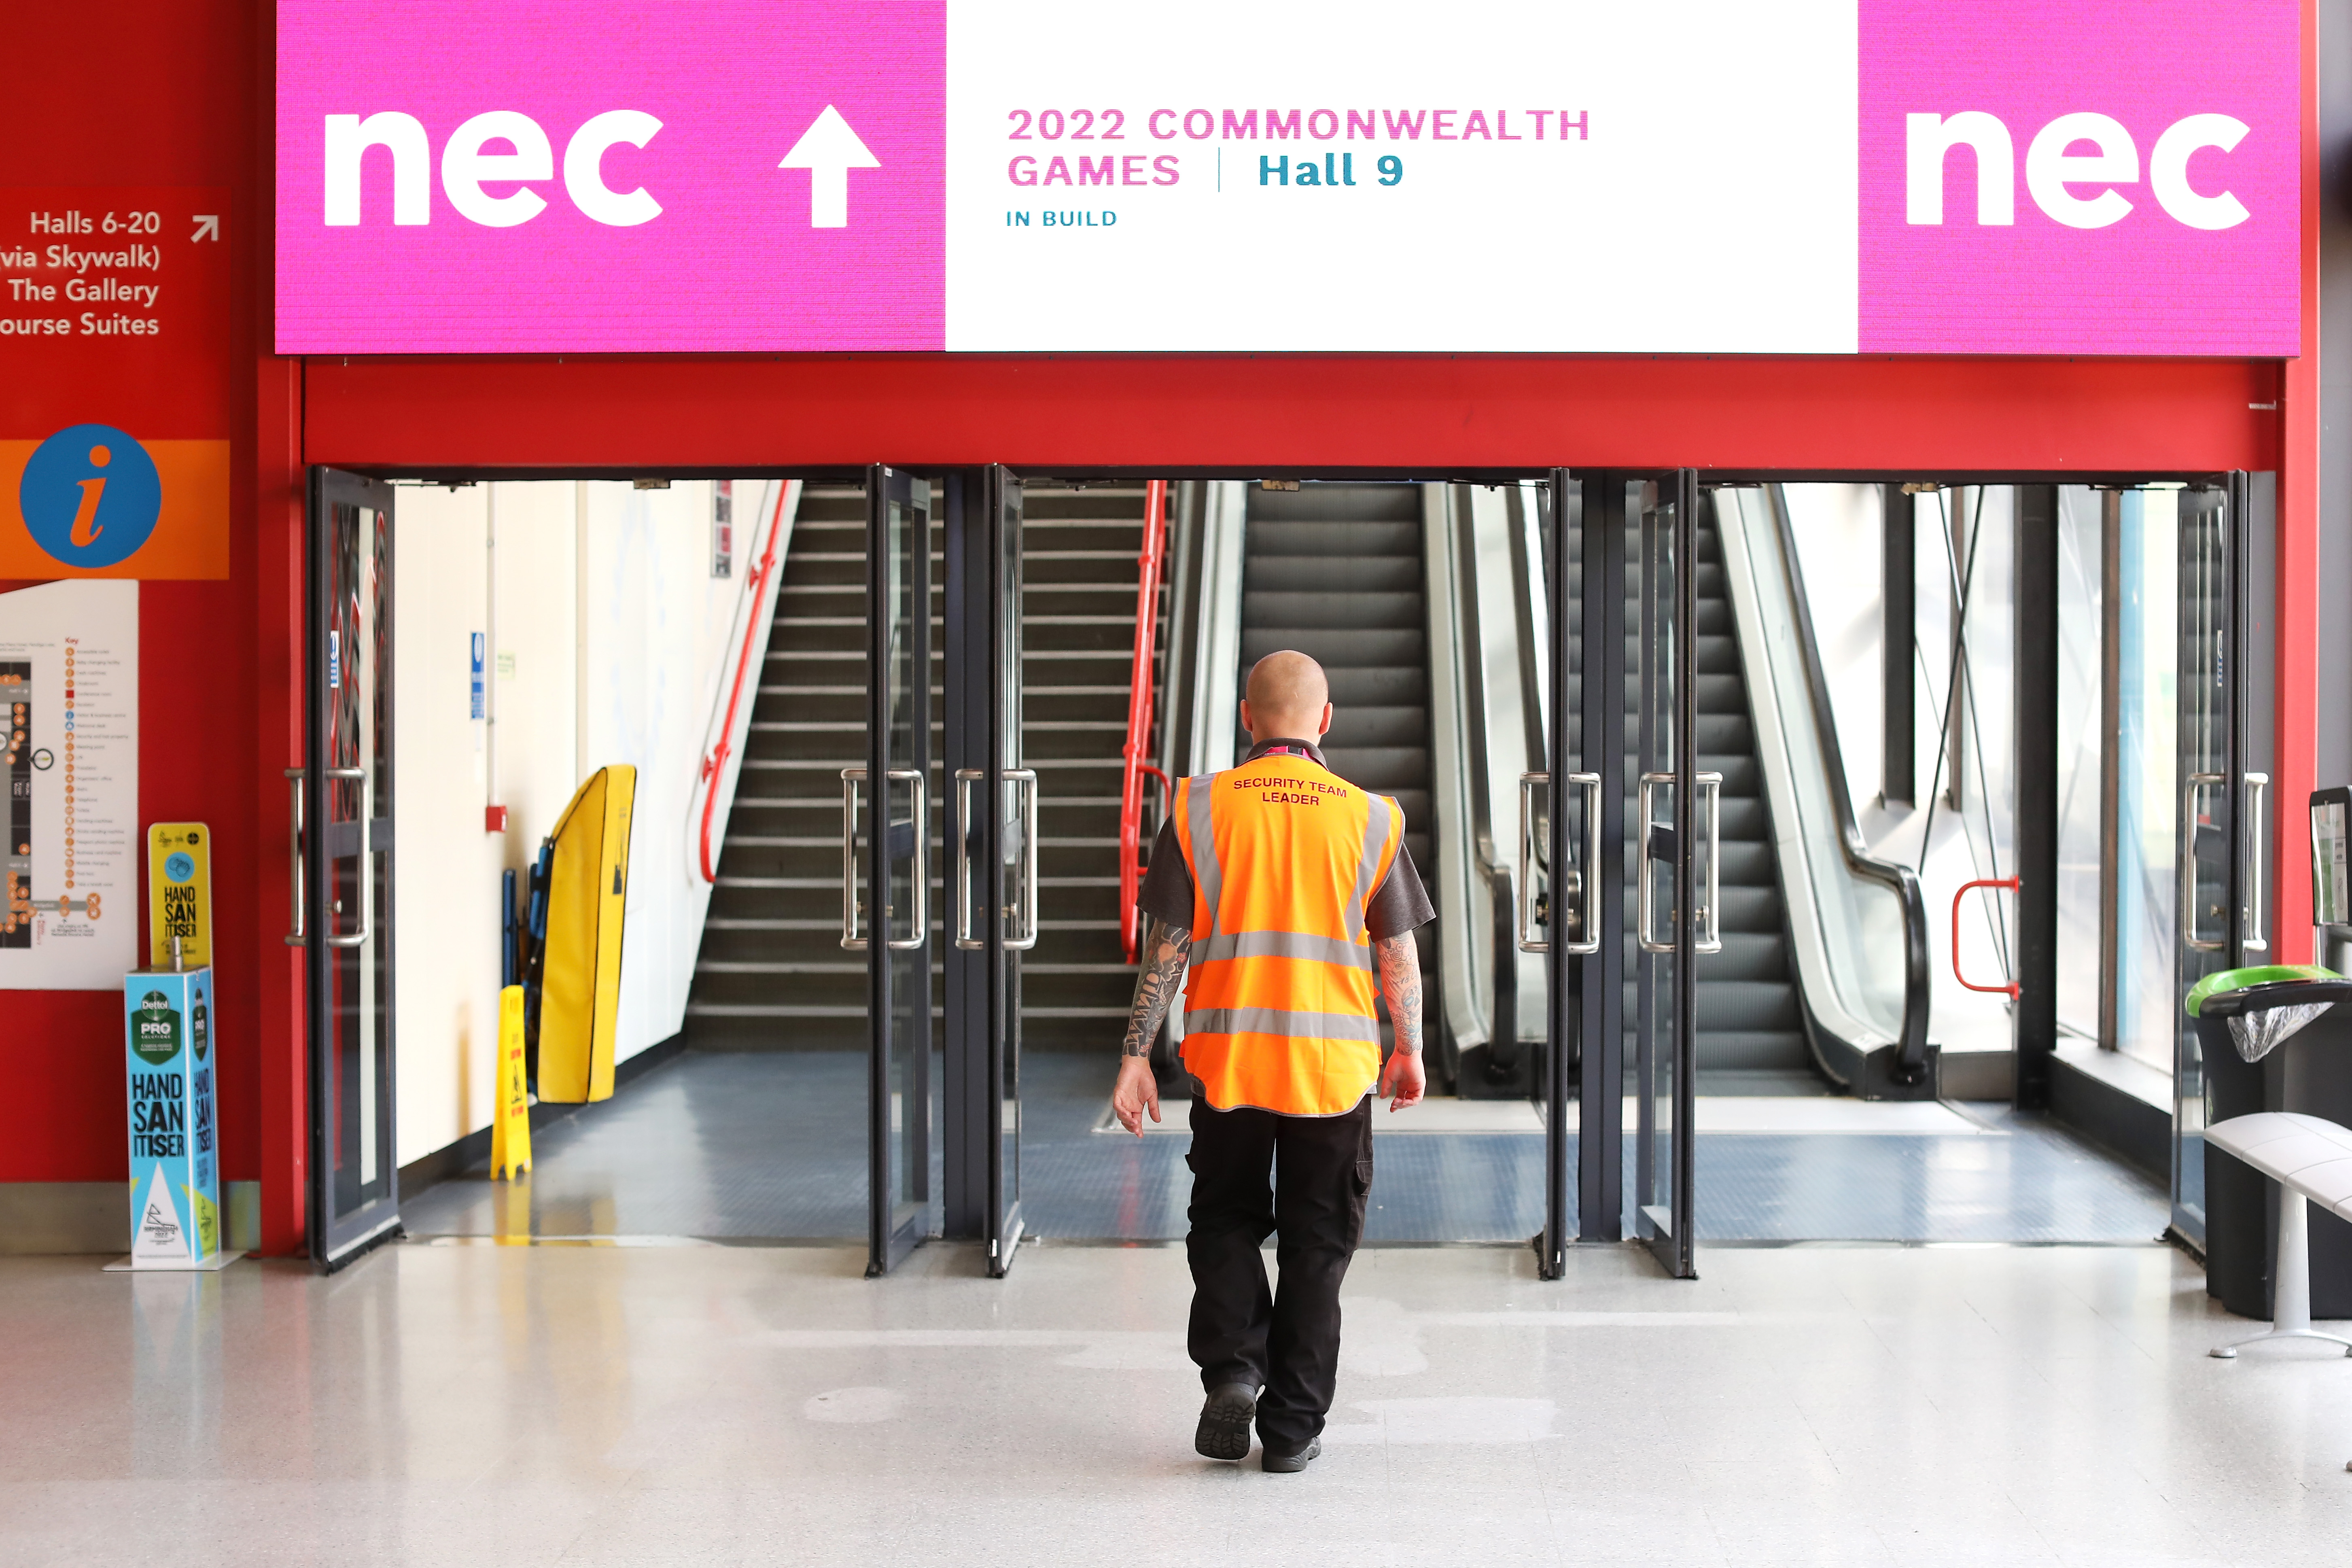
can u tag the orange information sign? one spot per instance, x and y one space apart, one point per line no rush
115 389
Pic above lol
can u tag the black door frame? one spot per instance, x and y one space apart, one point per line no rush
892 1235
1587 992
983 768
335 1240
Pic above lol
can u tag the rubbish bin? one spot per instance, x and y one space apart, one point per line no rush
2273 1039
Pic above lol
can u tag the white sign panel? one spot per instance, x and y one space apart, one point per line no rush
1471 178
70 692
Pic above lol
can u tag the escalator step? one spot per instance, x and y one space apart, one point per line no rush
1320 612
1325 573
1339 649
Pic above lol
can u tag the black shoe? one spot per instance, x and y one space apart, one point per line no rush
1226 1419
1291 1464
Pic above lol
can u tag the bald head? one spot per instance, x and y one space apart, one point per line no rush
1289 698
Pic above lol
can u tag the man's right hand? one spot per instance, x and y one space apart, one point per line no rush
1138 1092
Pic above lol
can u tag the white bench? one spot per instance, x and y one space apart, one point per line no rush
2311 1159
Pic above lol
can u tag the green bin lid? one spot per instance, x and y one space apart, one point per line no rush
2260 974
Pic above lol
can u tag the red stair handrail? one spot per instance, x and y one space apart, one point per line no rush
1137 752
716 763
2009 990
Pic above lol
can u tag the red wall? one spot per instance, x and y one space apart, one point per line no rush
1289 413
156 92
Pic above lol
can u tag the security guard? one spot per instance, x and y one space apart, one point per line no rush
1288 888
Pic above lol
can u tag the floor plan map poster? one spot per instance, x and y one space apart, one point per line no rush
69 693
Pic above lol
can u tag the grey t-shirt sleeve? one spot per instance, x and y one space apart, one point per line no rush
1401 903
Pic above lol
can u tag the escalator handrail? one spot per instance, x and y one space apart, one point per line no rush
1496 872
1911 1049
1136 753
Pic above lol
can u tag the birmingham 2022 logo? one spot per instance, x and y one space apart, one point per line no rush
90 495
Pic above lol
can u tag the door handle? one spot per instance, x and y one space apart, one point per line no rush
1708 936
1026 779
1024 912
366 859
1583 877
2009 988
1521 899
921 876
966 884
2257 936
850 779
1588 876
850 925
298 936
2190 927
1645 895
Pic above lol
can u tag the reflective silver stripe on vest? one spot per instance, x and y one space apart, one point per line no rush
1376 838
1281 1021
1199 794
1283 944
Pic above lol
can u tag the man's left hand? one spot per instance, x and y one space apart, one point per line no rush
1138 1092
1402 1080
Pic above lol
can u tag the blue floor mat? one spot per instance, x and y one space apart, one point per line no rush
771 1146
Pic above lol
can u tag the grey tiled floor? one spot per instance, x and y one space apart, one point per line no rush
772 1146
522 1407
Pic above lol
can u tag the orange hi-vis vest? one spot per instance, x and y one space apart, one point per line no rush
1280 1011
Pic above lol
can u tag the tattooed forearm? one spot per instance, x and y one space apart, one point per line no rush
1399 963
1164 951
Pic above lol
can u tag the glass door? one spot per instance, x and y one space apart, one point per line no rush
1010 881
1560 826
342 846
886 830
992 874
2221 921
1675 878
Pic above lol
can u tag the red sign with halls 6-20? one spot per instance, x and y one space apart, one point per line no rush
115 404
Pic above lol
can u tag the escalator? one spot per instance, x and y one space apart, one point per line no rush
1335 571
1751 1027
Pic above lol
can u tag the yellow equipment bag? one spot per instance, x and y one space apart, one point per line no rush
579 981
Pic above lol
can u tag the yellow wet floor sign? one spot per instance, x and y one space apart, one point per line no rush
510 1121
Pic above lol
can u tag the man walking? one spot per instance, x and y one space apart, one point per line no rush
1288 889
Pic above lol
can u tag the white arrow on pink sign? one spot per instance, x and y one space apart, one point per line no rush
828 150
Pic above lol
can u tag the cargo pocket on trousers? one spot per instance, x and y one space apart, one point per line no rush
1360 1189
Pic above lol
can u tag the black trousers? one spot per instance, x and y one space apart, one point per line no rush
1285 1342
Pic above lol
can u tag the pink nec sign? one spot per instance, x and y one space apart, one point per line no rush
534 176
2040 176
495 176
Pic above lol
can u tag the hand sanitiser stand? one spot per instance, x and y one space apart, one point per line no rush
175 1215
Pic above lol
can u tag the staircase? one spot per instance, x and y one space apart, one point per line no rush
1080 549
1335 571
772 974
1751 1036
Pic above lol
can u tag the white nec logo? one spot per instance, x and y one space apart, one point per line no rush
2051 167
467 166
